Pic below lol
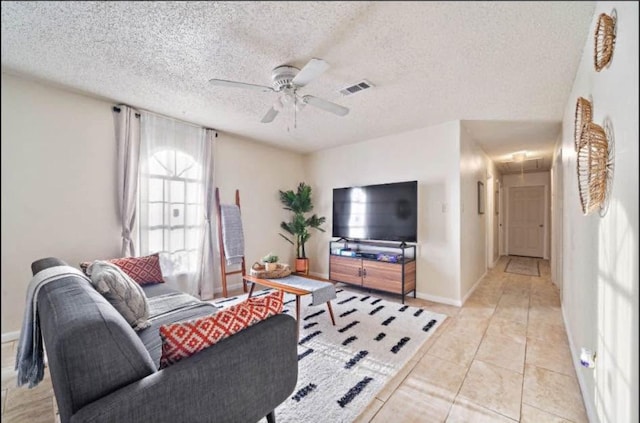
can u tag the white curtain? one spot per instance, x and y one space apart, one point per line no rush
127 124
207 268
175 173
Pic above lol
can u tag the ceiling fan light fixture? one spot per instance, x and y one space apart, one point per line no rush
286 82
519 156
288 98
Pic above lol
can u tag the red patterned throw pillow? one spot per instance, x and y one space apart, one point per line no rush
141 269
184 339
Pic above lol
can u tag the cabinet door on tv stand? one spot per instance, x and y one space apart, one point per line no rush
346 269
382 276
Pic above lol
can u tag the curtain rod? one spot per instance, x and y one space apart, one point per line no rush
117 110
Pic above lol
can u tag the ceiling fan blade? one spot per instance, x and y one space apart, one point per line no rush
235 84
325 105
270 116
311 71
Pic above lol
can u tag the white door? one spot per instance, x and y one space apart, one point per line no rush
526 221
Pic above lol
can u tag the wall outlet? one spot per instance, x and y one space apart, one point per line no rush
587 358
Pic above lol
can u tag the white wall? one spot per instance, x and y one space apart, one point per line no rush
429 155
556 215
525 180
58 184
258 171
600 254
474 167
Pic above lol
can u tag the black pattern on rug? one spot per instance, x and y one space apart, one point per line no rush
348 312
303 392
388 321
401 343
342 367
353 392
311 316
349 340
354 360
349 326
304 354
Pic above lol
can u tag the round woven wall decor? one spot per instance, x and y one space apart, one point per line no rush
583 115
593 164
605 39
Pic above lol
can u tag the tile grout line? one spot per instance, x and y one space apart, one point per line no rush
526 349
484 334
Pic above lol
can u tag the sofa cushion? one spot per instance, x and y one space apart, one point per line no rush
150 336
122 292
141 269
183 339
156 289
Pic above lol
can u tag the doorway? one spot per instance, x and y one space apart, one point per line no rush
526 219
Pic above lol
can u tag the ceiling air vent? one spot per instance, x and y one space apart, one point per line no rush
357 87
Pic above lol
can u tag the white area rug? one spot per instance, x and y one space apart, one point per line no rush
523 266
342 367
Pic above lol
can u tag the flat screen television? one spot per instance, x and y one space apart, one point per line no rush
387 212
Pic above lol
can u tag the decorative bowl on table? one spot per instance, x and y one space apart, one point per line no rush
259 270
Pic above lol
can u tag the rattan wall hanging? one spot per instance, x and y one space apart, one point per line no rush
593 167
605 39
583 115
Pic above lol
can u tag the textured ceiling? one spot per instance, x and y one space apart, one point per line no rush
500 140
430 62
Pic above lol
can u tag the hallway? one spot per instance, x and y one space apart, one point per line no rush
503 357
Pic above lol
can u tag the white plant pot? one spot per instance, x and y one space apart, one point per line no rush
270 267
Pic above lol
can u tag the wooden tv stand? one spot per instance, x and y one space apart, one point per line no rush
363 268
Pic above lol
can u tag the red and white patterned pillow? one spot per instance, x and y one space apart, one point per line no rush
141 269
184 339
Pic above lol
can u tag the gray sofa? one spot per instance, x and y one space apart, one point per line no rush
103 371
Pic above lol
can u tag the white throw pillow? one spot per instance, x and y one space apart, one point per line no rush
122 292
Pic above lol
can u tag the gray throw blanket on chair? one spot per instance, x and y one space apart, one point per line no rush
232 236
30 356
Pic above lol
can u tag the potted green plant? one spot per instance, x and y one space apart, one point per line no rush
270 262
299 203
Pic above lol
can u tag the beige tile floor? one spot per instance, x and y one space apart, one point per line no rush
503 357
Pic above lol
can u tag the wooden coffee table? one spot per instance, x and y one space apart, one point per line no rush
282 286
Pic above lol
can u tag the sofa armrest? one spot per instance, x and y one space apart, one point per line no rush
240 379
45 263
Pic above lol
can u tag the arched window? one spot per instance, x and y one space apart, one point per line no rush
171 205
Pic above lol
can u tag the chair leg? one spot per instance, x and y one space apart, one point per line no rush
271 417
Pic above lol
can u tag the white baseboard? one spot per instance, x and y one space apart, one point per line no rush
437 299
588 402
473 288
449 301
10 336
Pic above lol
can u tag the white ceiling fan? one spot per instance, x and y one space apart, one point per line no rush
286 81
